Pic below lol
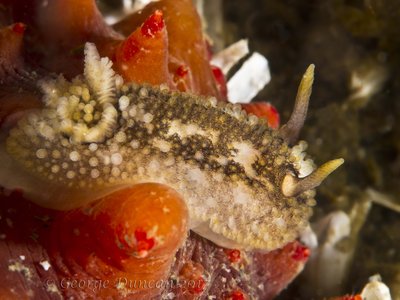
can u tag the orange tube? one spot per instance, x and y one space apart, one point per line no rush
127 240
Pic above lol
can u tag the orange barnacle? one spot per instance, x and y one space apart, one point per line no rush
143 56
129 236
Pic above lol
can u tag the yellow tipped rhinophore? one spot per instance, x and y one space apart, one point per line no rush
293 186
290 131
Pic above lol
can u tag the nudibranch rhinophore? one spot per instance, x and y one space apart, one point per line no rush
244 185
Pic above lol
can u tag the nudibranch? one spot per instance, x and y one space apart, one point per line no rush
245 186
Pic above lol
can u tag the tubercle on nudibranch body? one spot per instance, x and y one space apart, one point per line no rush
96 135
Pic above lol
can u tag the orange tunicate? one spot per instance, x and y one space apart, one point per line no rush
14 99
143 56
58 30
265 111
153 210
14 103
11 40
126 238
186 44
71 23
280 267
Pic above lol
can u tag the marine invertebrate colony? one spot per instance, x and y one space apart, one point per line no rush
244 186
140 227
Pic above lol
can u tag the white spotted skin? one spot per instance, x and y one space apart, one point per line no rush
96 136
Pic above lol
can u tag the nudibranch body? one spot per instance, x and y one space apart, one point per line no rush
243 185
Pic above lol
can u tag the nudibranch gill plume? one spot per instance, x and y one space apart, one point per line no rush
244 185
